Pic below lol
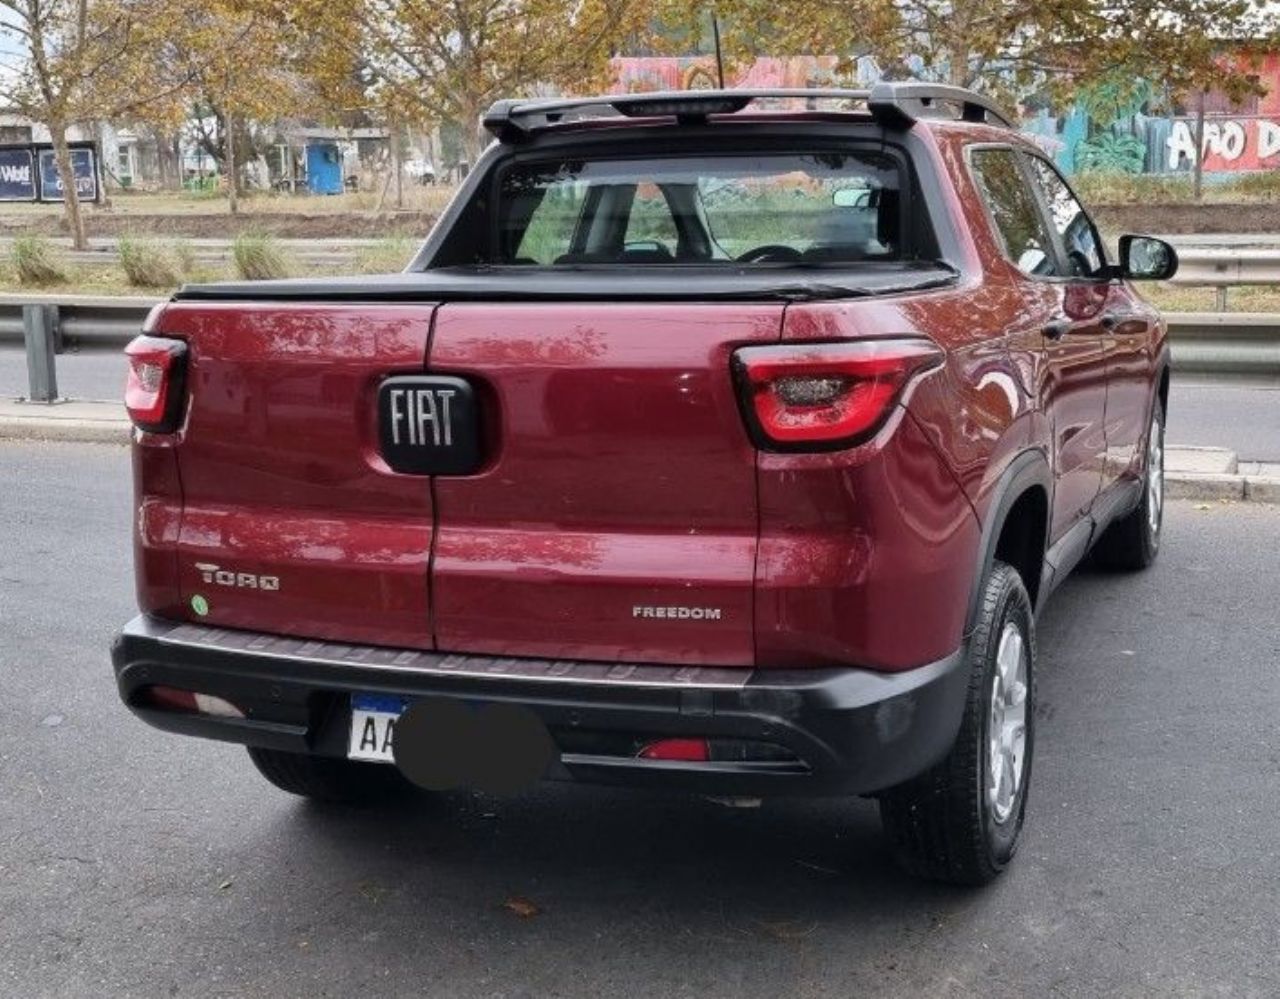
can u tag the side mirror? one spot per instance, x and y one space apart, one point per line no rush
851 197
1145 258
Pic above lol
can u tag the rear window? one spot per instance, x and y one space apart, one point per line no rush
835 207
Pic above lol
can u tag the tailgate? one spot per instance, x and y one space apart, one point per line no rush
615 516
292 522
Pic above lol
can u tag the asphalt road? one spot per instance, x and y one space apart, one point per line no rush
97 374
143 864
1245 418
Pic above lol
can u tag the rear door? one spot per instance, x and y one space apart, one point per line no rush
1073 354
615 515
1127 325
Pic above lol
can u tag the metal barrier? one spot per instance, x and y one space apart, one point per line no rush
1222 267
48 326
1226 344
1204 343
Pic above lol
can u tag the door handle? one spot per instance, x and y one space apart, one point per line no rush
1113 320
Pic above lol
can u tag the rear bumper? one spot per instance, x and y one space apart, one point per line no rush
849 731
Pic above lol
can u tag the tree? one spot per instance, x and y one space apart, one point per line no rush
83 61
235 61
436 61
1009 48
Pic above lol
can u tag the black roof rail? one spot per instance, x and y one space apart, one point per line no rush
892 104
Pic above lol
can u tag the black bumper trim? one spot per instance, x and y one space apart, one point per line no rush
853 730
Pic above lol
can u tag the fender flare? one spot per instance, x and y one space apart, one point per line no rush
1027 469
1163 365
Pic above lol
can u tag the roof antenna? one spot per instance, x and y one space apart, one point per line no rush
715 30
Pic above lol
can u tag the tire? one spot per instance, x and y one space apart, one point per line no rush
324 779
1133 542
948 825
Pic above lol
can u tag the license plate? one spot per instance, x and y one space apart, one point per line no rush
428 425
373 725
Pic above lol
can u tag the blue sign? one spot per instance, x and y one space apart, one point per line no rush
82 167
17 178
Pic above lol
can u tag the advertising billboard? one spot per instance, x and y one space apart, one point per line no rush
17 176
83 167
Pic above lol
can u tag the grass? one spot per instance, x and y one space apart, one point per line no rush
1175 298
259 257
417 198
150 263
1135 189
36 262
390 254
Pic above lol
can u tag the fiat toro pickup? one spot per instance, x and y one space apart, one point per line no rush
727 442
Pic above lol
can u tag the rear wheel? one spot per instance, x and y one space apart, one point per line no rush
325 779
960 821
1134 541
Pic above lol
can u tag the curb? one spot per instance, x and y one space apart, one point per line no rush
67 431
89 425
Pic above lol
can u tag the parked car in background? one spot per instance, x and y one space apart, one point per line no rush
706 445
420 169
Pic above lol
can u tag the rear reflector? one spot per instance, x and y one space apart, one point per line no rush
153 393
689 750
826 396
175 699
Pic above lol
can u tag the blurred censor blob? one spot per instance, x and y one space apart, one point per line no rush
499 748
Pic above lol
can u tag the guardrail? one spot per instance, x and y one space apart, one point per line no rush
49 326
1204 343
1221 268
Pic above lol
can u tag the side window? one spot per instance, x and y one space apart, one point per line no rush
1013 207
1080 240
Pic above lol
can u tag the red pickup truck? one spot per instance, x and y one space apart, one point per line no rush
709 443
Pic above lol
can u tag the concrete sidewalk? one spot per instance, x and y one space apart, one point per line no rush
1199 473
90 422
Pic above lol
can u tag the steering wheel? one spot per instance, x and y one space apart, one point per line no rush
772 252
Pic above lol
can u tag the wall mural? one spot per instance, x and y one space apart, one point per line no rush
1113 127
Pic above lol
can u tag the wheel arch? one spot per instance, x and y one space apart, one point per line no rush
1162 383
1016 528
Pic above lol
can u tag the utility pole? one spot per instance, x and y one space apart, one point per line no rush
1198 180
715 31
397 165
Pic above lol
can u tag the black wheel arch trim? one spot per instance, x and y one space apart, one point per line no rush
1027 470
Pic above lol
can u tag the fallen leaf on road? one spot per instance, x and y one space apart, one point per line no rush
1203 506
522 907
788 930
226 884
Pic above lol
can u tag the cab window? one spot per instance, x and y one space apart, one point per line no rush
769 209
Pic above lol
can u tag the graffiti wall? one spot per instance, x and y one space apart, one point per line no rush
1120 129
633 74
1112 127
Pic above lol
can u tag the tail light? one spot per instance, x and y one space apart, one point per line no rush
826 396
153 394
